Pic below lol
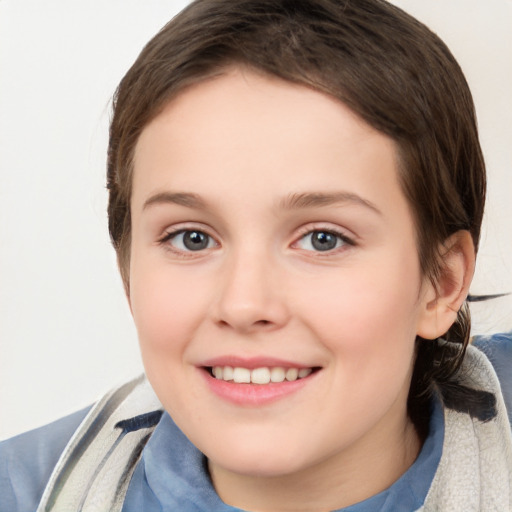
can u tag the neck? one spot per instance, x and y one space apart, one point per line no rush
339 481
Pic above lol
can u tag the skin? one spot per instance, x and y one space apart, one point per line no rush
245 145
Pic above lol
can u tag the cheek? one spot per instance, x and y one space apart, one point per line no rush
369 330
364 301
166 312
367 317
166 309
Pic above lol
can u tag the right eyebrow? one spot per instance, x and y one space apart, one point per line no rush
319 199
180 198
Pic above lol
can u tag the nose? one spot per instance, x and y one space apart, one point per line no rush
252 294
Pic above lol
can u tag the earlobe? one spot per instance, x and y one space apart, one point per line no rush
441 303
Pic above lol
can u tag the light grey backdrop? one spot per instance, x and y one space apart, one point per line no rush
65 329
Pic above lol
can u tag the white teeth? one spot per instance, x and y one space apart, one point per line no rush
242 375
292 374
277 374
262 375
227 373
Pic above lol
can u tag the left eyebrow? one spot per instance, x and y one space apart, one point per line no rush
180 198
316 199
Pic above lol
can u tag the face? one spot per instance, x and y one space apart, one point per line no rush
274 276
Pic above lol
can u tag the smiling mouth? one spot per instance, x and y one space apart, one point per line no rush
261 376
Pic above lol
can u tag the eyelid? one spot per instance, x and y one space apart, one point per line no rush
329 227
168 232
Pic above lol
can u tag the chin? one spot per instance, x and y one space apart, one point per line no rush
256 461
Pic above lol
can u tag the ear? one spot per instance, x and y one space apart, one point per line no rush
441 303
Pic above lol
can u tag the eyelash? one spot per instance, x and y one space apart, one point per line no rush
306 231
310 230
170 235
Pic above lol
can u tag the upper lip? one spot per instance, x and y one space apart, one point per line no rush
252 362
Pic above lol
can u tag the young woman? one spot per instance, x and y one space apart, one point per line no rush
296 194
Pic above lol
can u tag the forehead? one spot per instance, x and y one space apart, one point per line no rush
263 135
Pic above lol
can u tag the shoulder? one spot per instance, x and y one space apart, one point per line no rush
27 461
498 349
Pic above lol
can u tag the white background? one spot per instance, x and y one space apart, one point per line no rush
65 330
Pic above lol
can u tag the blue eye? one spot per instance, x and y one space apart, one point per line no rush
322 241
190 240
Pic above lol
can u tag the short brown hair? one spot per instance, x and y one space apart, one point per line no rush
386 66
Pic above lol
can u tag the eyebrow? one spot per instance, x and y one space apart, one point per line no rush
291 202
317 199
180 198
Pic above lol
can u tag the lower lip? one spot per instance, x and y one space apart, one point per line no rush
254 395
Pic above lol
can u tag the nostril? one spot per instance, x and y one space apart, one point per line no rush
246 326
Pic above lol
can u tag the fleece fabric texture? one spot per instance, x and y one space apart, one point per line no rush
475 471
